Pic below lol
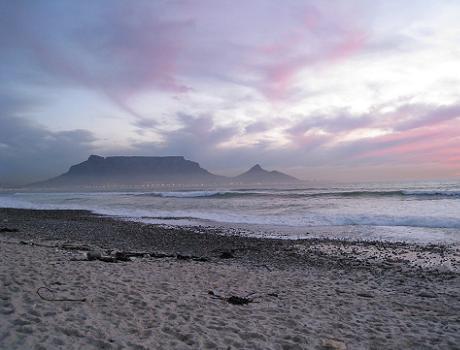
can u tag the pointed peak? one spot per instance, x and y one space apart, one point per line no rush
256 167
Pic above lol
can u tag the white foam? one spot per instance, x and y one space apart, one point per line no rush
310 220
448 193
188 194
388 211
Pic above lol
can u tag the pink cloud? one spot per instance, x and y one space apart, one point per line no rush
434 143
319 38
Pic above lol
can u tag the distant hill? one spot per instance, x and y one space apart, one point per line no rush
136 170
259 175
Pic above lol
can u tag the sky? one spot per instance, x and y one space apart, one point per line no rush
336 90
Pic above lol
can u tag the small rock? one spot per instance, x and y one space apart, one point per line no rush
426 295
365 295
93 255
332 344
227 255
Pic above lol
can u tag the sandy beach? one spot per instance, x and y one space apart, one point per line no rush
164 288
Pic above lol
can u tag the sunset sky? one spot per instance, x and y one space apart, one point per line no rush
329 90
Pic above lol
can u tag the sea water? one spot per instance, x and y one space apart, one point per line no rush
422 212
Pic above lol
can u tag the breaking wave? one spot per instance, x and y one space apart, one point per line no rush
300 194
307 220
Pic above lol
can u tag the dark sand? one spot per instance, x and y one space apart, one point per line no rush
308 294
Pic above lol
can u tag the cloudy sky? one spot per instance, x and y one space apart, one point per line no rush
331 90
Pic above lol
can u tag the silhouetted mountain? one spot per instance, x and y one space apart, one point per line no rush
135 171
259 175
121 170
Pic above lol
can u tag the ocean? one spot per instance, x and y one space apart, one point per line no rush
426 212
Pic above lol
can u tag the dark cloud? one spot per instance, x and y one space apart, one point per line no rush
29 152
197 138
411 130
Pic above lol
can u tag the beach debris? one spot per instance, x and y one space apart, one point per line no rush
227 254
333 344
238 300
183 257
192 257
265 266
128 256
233 299
426 295
32 243
159 255
108 259
201 259
365 295
70 246
113 256
93 255
7 229
56 299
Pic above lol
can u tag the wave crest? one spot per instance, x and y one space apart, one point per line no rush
290 194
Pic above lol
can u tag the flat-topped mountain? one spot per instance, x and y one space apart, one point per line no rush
259 175
137 170
136 166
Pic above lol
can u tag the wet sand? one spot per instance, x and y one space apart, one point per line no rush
306 294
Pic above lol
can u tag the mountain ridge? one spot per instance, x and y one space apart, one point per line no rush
141 170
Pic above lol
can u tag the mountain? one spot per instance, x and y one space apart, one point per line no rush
259 175
136 170
125 171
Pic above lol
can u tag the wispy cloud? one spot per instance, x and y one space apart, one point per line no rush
228 83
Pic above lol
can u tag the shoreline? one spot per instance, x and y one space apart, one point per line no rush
358 294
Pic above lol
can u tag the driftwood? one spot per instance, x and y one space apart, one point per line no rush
59 299
114 256
192 257
32 243
122 256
